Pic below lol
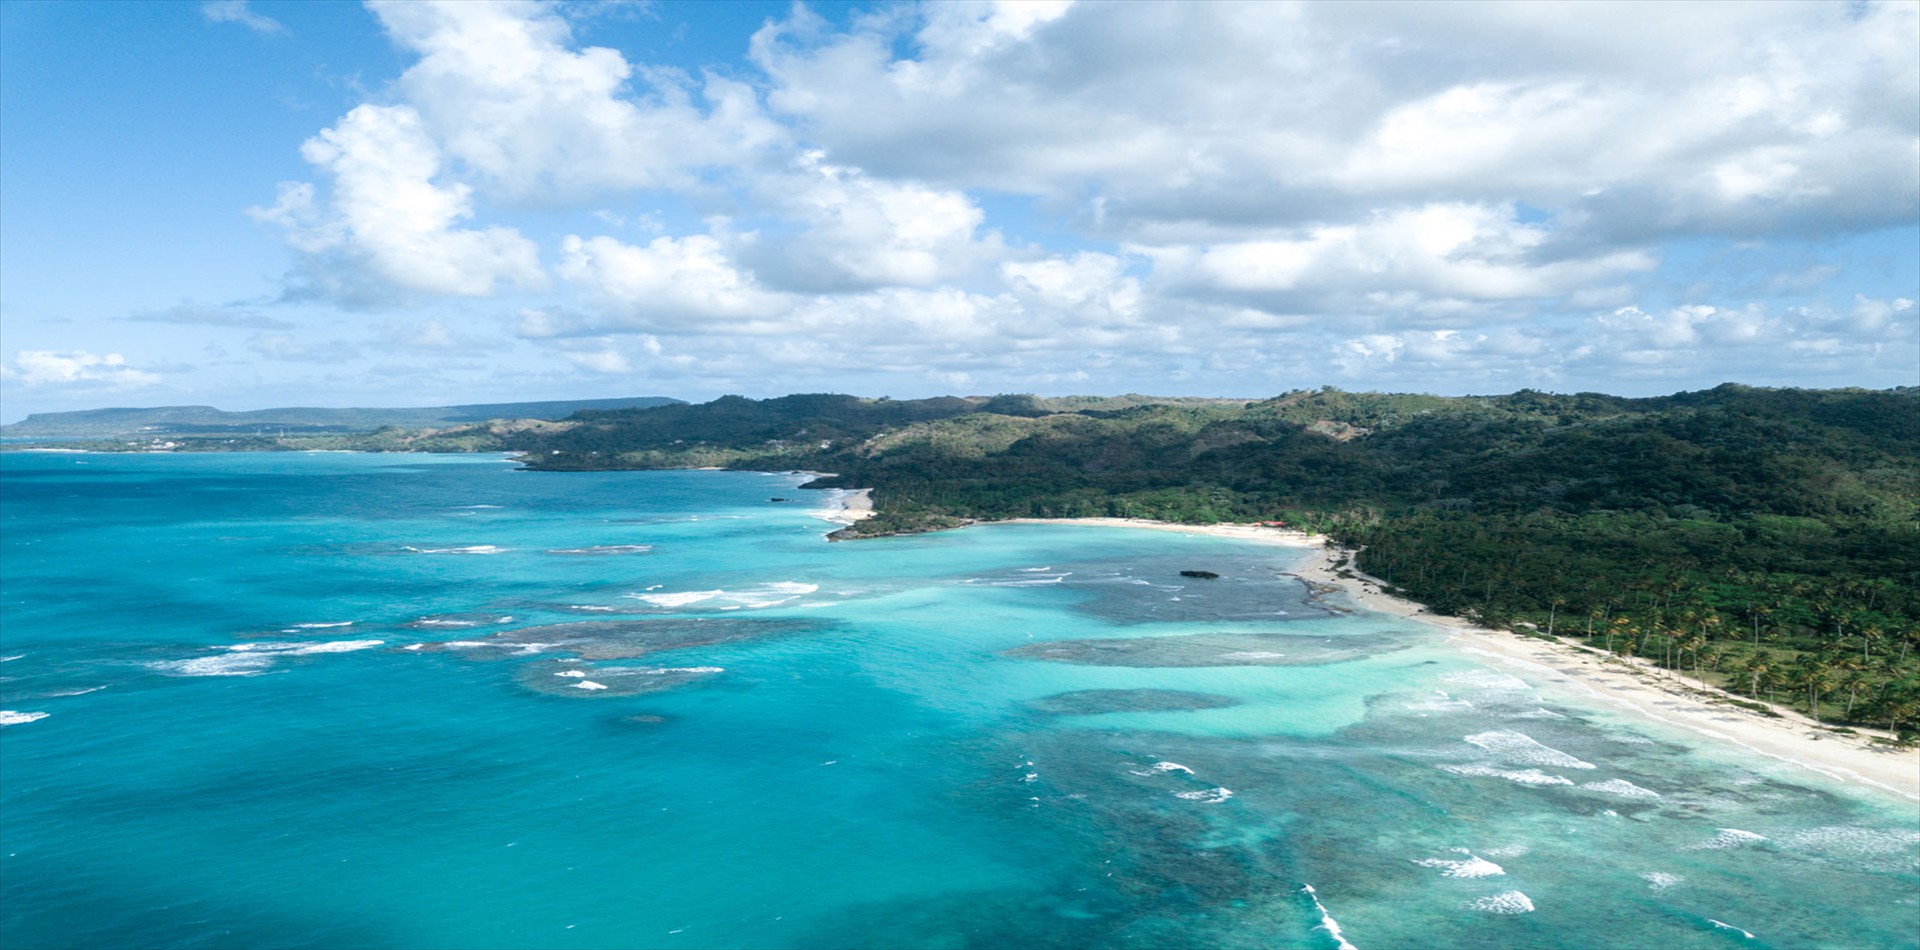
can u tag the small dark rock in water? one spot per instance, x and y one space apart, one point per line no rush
776 499
1092 702
1204 575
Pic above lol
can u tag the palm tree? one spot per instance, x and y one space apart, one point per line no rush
1757 666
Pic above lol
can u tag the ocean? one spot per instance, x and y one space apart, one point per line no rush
342 700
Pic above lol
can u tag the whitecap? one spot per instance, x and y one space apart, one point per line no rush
226 664
1035 570
1327 923
1620 786
1506 902
588 684
468 549
1159 767
1209 796
1486 680
76 692
1520 747
576 674
9 717
1727 926
336 646
1727 838
1442 701
680 599
1522 776
1851 841
321 626
1661 880
604 549
10 659
1251 655
1472 867
1507 851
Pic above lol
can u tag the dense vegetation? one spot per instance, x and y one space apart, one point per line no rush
1766 541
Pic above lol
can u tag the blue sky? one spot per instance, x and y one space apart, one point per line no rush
262 204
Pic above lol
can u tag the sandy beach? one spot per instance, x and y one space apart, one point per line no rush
1632 685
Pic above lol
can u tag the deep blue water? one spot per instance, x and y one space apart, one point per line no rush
337 700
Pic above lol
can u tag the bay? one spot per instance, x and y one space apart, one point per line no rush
324 700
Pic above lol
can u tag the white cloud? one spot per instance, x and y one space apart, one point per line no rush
236 11
1632 123
77 367
670 284
855 231
390 225
528 117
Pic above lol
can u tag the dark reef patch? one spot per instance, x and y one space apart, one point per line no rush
1093 702
1213 649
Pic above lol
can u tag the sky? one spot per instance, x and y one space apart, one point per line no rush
266 204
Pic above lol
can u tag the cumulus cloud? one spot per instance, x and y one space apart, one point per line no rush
390 225
855 231
529 117
1633 122
77 367
669 284
1276 191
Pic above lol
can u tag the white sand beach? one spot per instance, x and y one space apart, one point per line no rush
1632 685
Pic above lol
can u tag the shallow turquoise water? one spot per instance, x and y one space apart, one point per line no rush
347 700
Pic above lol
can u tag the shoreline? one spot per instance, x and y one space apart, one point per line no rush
1629 684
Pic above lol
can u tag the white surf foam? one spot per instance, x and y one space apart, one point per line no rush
680 599
321 626
605 549
1442 701
1522 776
1470 867
576 674
10 659
468 549
1727 838
1159 767
1620 786
1209 796
226 664
588 684
1727 926
1852 841
1035 570
1506 902
1520 747
9 717
1327 923
1507 851
1251 655
1661 880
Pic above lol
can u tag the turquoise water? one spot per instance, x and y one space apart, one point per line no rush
434 701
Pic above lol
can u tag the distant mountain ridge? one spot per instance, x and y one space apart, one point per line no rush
206 420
